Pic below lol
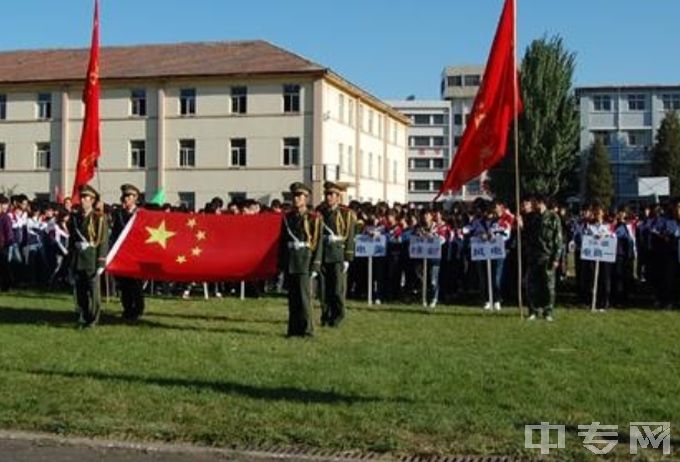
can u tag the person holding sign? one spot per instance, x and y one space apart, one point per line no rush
599 228
300 260
543 231
338 228
429 228
487 228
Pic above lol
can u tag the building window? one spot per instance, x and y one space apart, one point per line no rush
187 153
291 98
457 140
636 102
138 154
437 164
671 102
603 136
437 185
350 159
380 122
42 156
420 164
472 80
2 156
455 81
421 119
187 200
291 152
237 196
637 138
602 103
187 101
341 108
239 100
3 107
350 116
438 119
44 106
458 119
370 121
138 102
394 171
438 141
420 185
395 130
341 156
419 141
380 168
238 152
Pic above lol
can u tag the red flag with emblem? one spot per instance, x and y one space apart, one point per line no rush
90 147
182 247
497 103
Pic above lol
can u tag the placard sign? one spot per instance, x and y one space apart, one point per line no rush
370 246
425 247
490 249
599 248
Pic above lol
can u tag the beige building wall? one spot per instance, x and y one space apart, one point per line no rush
264 126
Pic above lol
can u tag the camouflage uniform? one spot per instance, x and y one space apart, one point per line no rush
544 242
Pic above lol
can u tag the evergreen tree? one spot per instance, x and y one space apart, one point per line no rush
548 126
666 151
599 179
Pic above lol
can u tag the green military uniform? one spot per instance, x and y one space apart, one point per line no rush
544 239
338 247
131 290
299 257
88 246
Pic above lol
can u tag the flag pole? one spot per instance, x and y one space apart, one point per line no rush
518 209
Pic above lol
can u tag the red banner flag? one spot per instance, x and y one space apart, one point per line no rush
485 138
182 247
90 148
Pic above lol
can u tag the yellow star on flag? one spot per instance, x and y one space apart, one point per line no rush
159 235
200 235
191 223
196 251
181 259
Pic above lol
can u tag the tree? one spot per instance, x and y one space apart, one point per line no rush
548 126
666 151
599 179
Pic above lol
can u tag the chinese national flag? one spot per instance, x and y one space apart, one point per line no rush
182 247
485 138
90 148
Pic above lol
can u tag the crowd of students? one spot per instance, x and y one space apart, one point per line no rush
34 249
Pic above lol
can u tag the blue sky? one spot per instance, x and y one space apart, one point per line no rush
392 48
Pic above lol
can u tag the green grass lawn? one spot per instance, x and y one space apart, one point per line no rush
392 379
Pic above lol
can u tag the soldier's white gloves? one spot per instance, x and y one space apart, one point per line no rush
314 275
345 266
100 271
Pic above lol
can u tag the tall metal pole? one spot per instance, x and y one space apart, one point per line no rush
518 210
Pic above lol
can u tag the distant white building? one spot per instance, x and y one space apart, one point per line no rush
459 86
228 119
429 146
626 118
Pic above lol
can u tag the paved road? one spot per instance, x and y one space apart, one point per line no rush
20 447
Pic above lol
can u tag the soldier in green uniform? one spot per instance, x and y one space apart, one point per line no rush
88 246
543 230
131 290
338 251
300 259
